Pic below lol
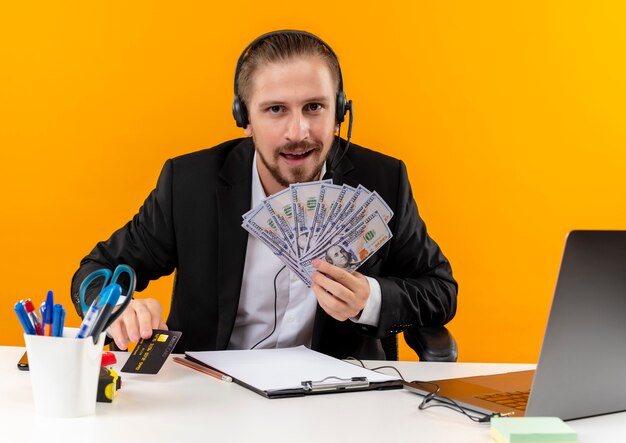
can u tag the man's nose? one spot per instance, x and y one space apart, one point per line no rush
298 128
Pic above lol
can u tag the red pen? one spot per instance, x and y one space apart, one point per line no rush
204 369
32 315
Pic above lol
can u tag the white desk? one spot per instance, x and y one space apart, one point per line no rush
180 404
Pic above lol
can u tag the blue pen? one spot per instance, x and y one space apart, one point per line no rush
49 312
109 300
90 318
22 316
58 318
62 322
42 311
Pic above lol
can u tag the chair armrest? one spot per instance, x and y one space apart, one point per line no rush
432 343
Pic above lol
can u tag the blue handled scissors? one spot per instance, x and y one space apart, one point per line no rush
109 279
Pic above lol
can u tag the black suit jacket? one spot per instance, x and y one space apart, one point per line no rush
191 223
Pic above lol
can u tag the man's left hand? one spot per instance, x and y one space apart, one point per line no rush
341 294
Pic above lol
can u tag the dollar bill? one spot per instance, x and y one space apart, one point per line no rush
329 193
341 224
260 219
272 238
373 203
304 198
344 196
280 208
358 198
348 207
352 249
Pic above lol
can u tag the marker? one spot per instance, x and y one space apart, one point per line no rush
49 312
32 315
22 316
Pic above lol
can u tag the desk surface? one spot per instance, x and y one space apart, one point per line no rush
180 403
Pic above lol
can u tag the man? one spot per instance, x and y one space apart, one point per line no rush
230 291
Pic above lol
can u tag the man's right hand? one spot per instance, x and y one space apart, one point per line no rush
137 321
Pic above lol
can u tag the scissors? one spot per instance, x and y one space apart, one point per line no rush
108 295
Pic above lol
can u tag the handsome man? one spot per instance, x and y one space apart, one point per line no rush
230 291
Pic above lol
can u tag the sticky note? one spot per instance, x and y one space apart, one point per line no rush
531 430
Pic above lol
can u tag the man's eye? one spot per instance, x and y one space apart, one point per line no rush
275 109
314 107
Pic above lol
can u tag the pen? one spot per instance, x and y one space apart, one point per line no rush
42 311
203 369
90 318
22 316
109 300
49 308
32 315
58 319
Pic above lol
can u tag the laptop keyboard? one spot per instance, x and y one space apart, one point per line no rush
515 400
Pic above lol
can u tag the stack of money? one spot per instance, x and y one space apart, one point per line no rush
341 224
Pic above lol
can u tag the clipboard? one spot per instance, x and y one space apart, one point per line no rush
293 372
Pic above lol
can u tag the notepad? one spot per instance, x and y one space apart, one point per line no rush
288 372
531 430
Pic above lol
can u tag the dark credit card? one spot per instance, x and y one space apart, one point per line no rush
149 355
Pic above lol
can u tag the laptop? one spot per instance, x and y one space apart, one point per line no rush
581 370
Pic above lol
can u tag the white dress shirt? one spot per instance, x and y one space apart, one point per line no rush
295 303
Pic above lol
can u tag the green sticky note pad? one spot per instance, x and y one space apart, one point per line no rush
531 430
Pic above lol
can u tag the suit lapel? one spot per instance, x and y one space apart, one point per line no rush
233 200
345 165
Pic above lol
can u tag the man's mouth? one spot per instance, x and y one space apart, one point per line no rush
295 156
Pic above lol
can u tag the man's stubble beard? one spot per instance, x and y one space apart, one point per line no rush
299 173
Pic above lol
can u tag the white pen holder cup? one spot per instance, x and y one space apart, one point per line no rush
64 373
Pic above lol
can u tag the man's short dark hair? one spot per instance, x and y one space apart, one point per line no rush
278 48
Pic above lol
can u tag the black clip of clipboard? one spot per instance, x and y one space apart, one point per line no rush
339 385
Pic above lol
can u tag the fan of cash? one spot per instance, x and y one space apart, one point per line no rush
341 224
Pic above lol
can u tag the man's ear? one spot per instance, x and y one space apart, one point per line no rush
337 127
248 130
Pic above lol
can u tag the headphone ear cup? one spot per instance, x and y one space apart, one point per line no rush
341 109
240 113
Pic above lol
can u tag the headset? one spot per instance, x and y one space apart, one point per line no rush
240 113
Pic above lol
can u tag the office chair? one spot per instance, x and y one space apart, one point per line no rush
431 343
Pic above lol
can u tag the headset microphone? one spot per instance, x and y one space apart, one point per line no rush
332 164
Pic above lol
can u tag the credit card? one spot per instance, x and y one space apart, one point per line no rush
149 355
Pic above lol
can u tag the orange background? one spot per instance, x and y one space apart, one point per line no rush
510 119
